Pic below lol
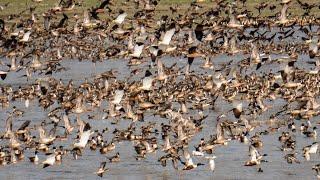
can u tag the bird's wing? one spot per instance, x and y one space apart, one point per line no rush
168 36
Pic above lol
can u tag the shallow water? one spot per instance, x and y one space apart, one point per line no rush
230 159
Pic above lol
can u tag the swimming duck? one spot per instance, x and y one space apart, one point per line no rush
311 149
312 133
34 159
255 157
115 158
291 158
51 160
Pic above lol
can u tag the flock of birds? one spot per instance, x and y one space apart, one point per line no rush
182 96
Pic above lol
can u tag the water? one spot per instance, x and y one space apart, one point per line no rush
229 162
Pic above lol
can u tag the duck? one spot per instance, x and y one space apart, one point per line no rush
289 144
170 156
102 169
220 132
115 158
51 160
189 165
107 148
310 149
237 109
44 139
244 138
84 137
167 146
67 124
35 158
255 157
312 133
317 169
76 152
211 162
291 158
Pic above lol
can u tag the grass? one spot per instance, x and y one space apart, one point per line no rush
17 6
